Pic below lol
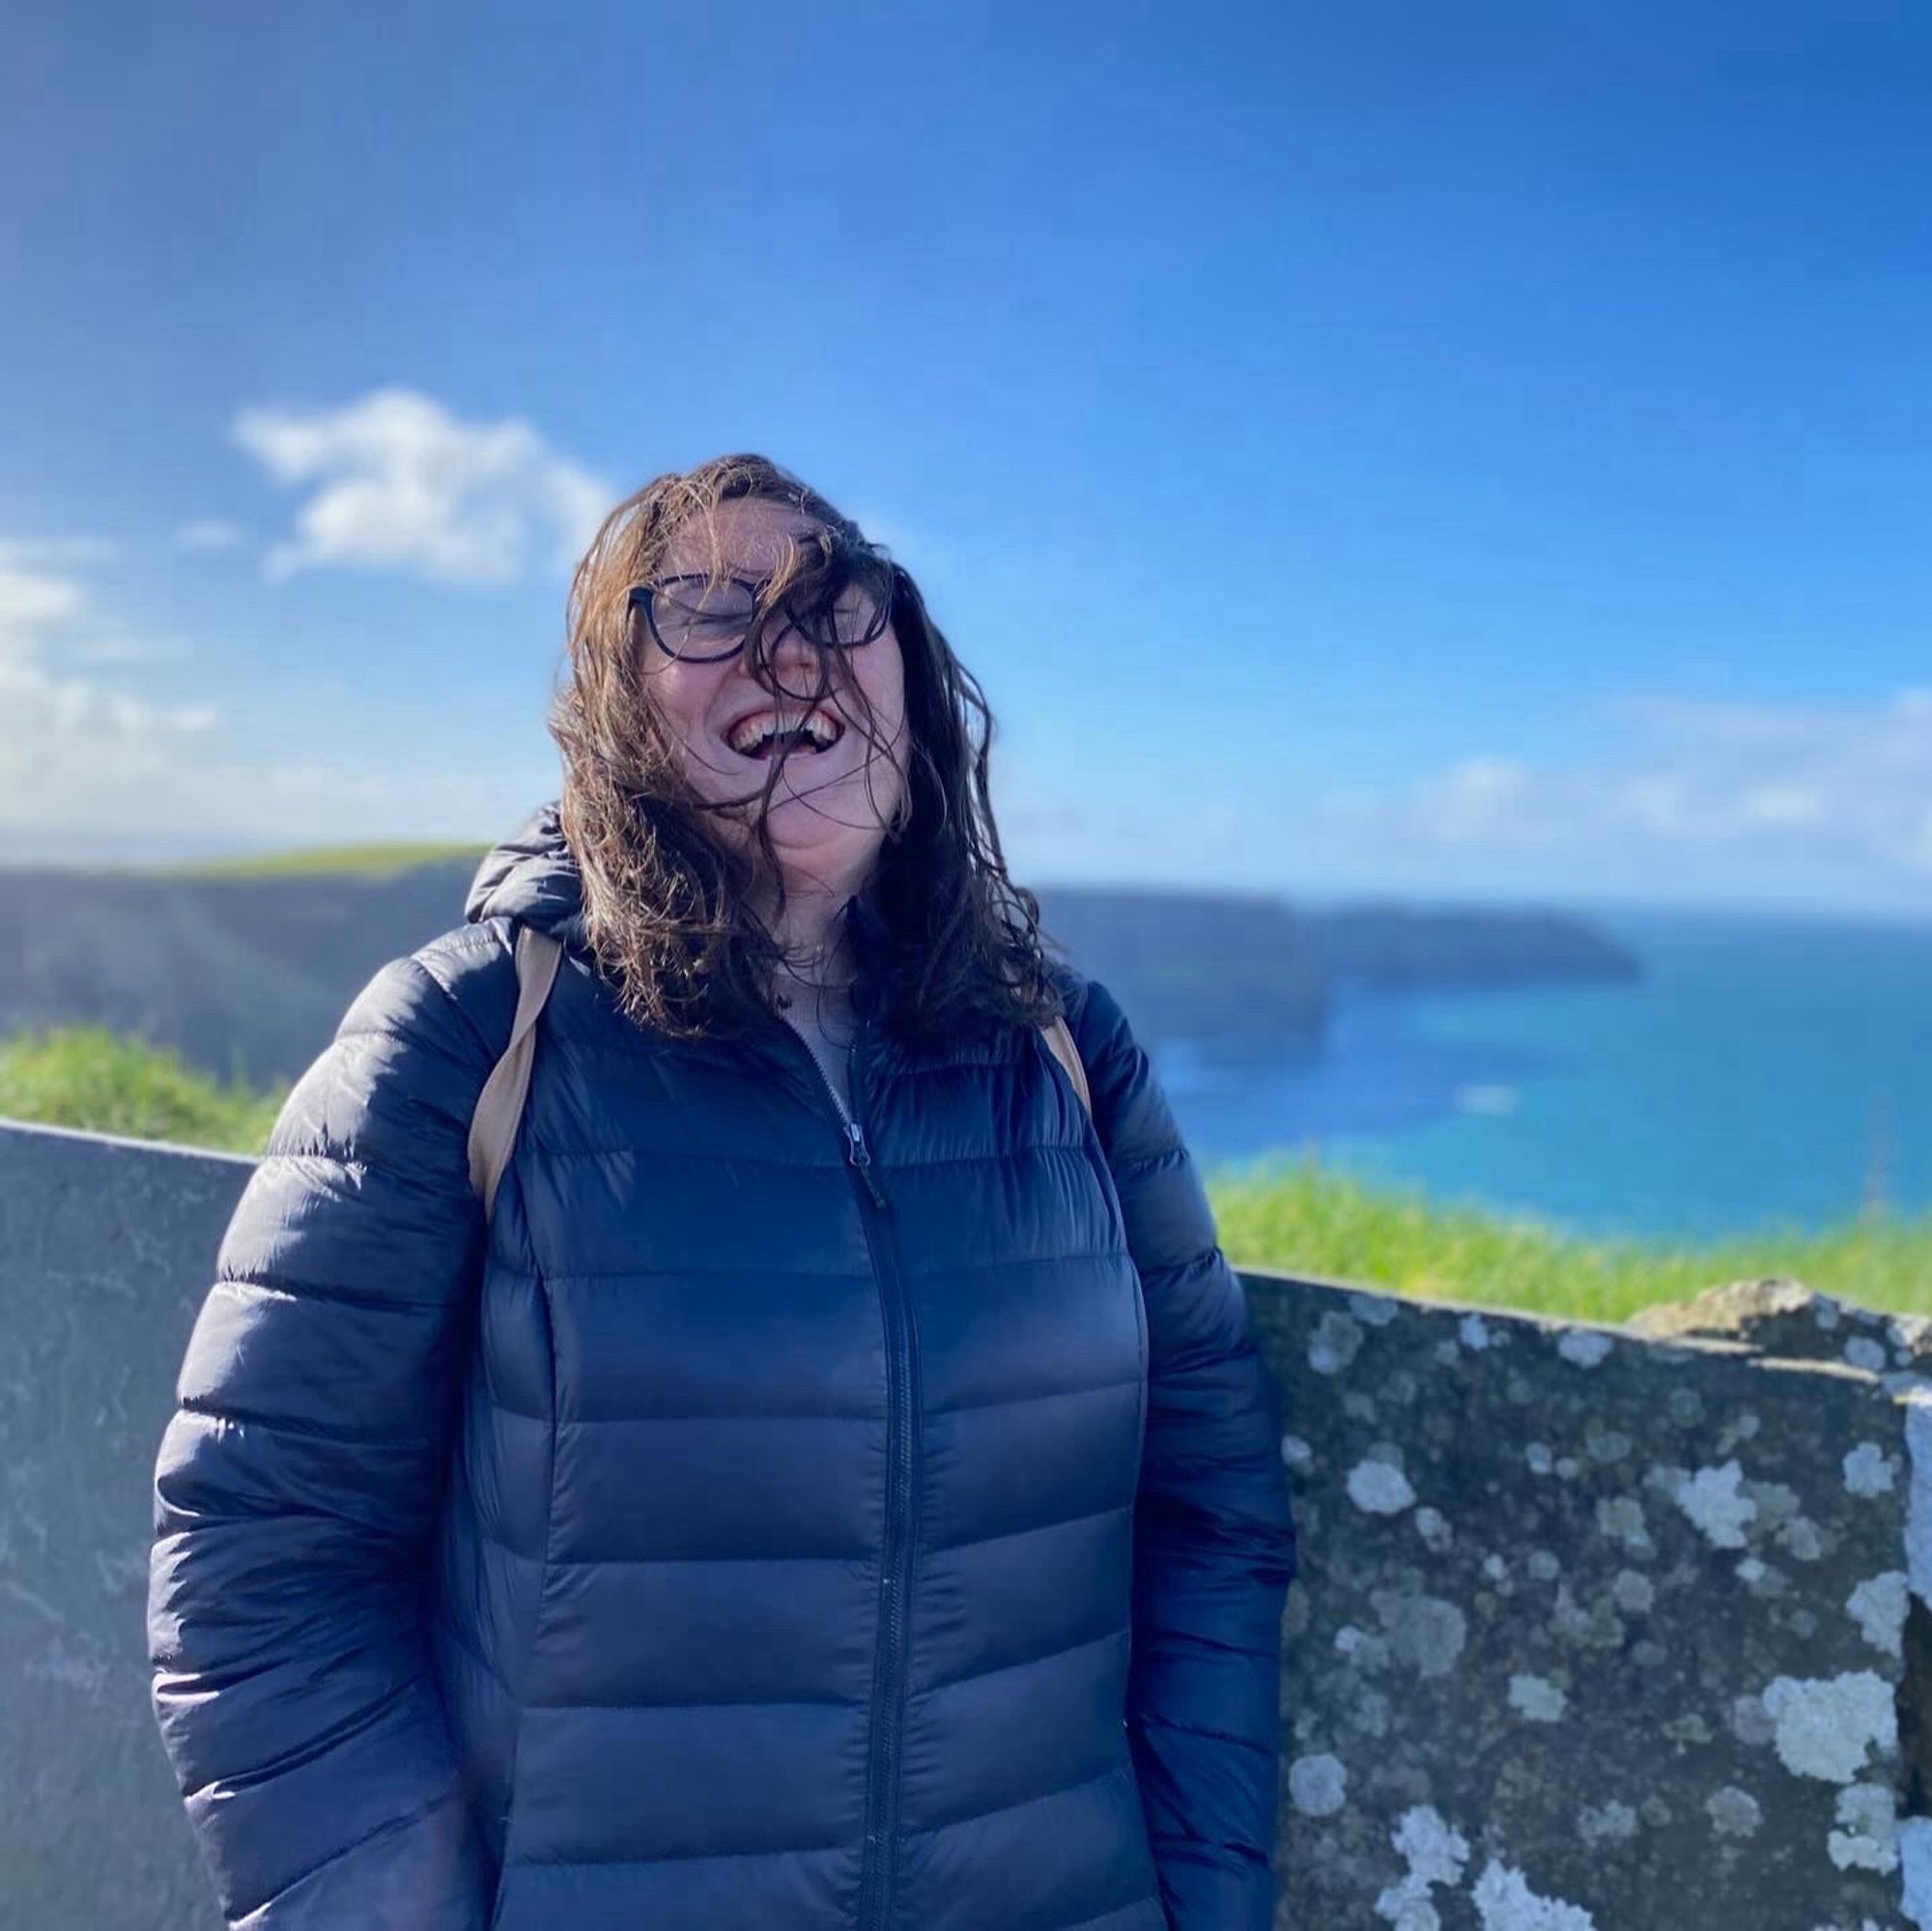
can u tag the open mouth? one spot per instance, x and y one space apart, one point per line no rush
764 734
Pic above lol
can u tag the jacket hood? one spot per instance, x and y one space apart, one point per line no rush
533 877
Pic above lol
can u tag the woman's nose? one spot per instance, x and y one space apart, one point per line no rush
793 660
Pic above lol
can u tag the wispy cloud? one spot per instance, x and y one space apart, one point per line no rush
48 614
33 600
94 760
916 549
394 481
55 727
208 534
1753 786
55 552
123 649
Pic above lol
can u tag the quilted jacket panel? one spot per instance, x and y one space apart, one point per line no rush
704 1542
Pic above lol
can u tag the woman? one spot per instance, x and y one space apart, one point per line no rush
836 1486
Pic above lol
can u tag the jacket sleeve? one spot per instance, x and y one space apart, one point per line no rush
1214 1541
298 1484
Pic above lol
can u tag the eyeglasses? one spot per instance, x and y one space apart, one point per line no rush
702 619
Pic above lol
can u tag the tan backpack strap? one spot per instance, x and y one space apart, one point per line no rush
1059 1038
493 1128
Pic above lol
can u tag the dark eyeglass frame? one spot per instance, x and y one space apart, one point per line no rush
642 599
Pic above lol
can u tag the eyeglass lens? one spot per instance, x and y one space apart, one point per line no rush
701 618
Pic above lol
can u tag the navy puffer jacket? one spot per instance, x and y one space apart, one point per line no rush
729 1537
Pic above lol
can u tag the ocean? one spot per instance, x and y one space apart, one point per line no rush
1764 1072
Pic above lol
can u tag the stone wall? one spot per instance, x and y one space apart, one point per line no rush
1600 1627
106 1247
1595 1628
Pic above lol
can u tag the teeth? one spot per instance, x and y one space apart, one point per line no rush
750 732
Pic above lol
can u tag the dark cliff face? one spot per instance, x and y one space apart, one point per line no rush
243 976
1397 947
250 974
1194 965
1217 967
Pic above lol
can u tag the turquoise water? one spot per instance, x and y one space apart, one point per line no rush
1764 1072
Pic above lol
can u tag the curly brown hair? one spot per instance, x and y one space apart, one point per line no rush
667 907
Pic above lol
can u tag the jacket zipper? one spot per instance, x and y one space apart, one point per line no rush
877 1873
858 1155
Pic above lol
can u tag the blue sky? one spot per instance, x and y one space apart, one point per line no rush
1469 453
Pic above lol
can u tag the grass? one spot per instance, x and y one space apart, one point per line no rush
101 1082
1293 1214
1290 1213
369 860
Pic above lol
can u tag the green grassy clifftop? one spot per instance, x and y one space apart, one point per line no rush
1288 1214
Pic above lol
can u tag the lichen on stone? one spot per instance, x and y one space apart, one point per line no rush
1869 1470
1800 1538
1426 1632
1335 1342
1750 1722
1867 1834
1712 1499
1379 1487
1915 1859
1318 1786
1585 1346
1436 1855
1366 1650
1826 1727
1621 1517
1734 1813
1373 1310
1536 1697
1633 1592
1435 1528
1608 1822
1878 1606
1505 1902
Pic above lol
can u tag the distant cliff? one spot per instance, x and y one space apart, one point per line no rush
1188 964
243 974
1231 969
249 974
1402 949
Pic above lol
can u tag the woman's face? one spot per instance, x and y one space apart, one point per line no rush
830 808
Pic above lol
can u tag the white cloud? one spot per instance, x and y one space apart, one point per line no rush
1696 786
45 611
396 482
93 763
123 648
1784 805
63 736
52 723
916 549
52 717
208 534
31 602
54 552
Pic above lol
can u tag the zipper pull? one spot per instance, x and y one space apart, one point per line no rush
861 1156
